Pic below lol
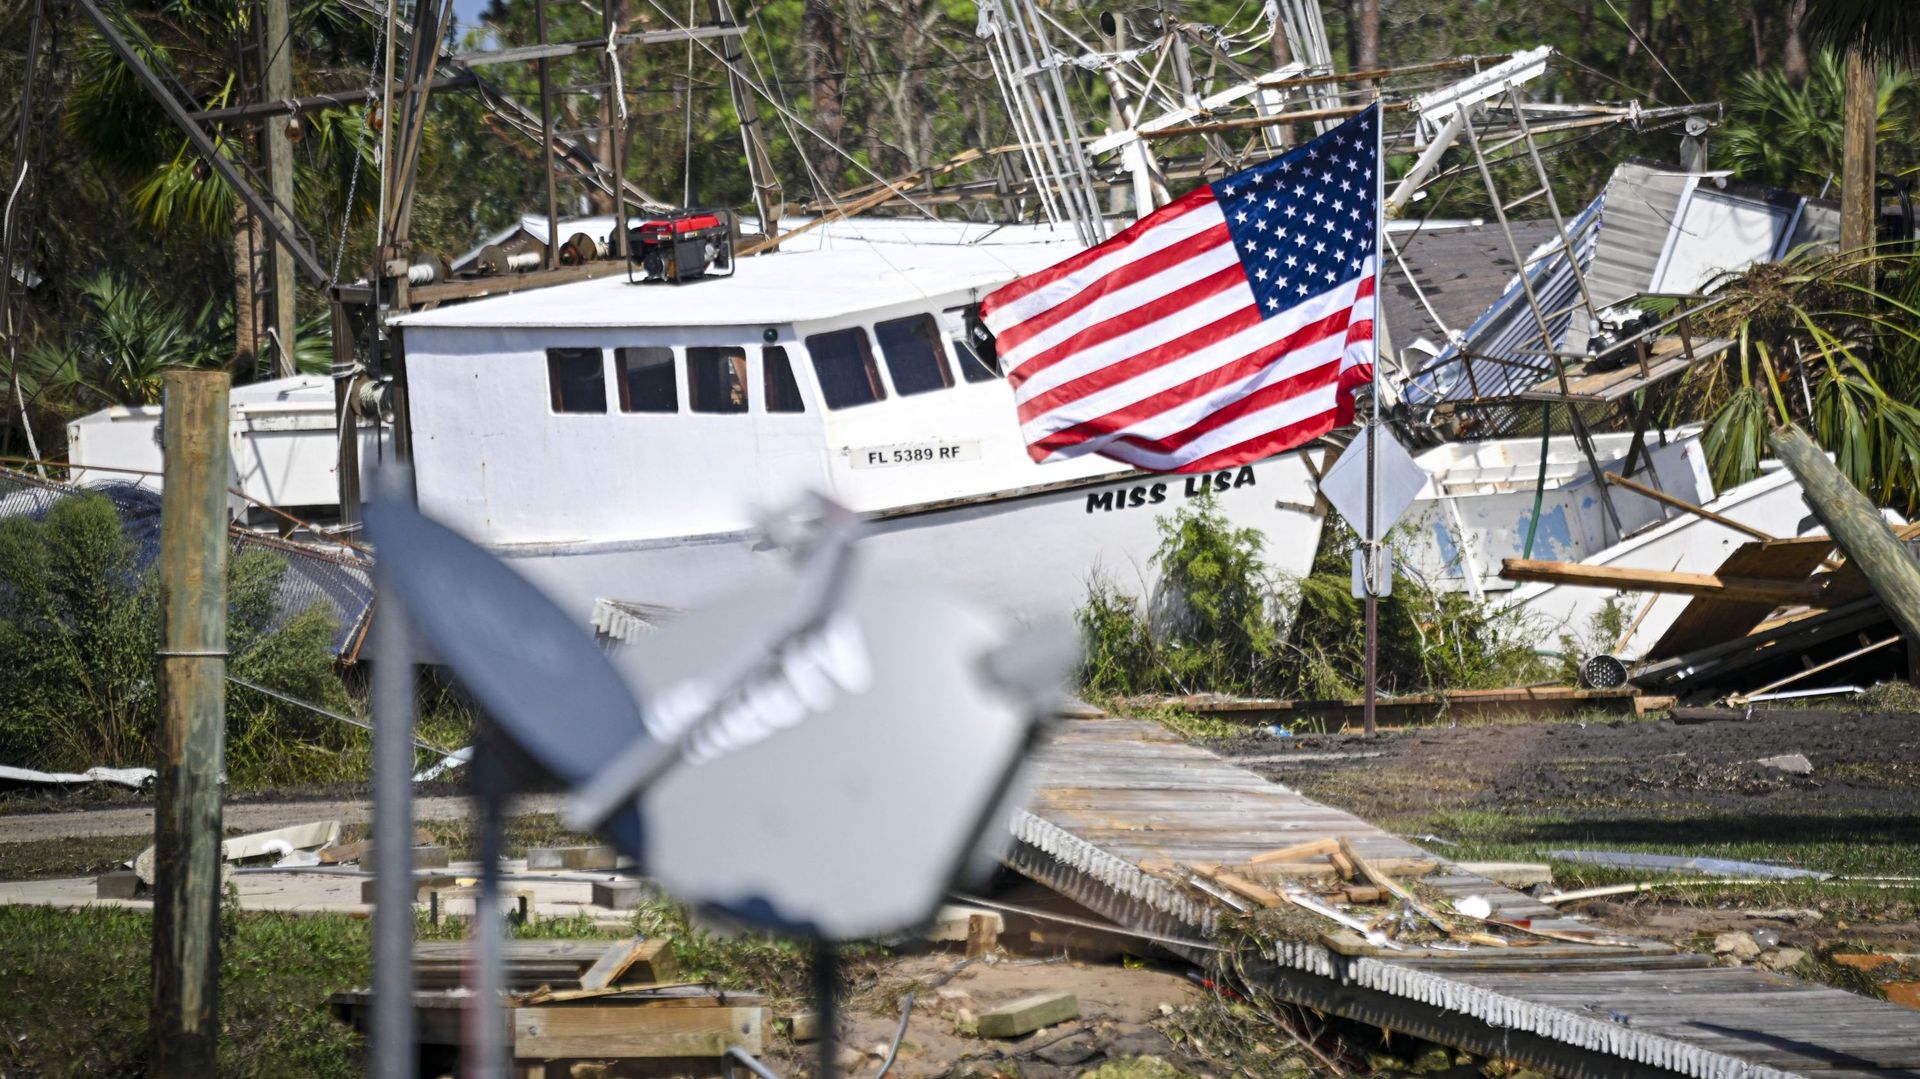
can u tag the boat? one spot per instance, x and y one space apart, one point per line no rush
614 441
1477 509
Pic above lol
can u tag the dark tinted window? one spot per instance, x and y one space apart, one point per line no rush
974 367
782 392
912 348
717 379
646 379
577 380
843 361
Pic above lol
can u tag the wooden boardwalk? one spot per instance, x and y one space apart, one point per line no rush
1121 809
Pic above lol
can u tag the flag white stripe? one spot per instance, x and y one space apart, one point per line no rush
1162 235
1252 425
1235 298
1167 375
1145 291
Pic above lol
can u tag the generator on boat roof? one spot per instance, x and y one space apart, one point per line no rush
680 246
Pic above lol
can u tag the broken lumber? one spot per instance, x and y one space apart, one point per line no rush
1857 528
1027 1015
625 1032
633 960
595 857
1749 589
1298 852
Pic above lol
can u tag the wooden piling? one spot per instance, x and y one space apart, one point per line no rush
1858 529
193 665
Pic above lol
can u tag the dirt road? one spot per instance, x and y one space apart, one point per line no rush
240 816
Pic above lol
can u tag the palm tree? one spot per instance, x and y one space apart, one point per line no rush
123 130
1790 136
1872 33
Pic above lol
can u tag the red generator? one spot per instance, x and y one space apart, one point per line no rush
680 246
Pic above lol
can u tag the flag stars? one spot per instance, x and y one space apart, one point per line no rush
1240 216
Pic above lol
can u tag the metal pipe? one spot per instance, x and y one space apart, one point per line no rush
1047 138
313 103
185 1019
393 1038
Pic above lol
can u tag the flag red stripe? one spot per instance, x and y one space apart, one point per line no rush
1132 273
1114 374
1192 200
1126 322
1268 443
1292 386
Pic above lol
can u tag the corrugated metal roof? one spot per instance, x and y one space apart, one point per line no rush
1641 203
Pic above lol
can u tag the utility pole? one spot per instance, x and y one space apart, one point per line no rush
193 605
279 87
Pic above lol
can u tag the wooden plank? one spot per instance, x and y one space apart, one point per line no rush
1775 592
1028 1014
1298 852
632 960
564 1032
1707 622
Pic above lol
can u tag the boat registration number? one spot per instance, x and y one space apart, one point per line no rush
912 453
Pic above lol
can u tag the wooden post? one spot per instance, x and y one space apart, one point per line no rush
1859 205
279 78
193 603
1858 529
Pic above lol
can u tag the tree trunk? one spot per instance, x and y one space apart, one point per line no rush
1858 206
1755 22
825 48
1793 56
246 305
1369 34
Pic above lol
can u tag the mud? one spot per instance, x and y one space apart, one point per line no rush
1865 765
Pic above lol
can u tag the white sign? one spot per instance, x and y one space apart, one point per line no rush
1400 479
912 453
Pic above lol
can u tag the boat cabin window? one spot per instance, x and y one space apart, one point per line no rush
914 356
646 379
843 361
717 379
975 361
577 379
778 384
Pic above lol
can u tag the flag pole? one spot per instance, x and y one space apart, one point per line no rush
1371 545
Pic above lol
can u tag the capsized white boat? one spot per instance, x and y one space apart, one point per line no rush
1478 506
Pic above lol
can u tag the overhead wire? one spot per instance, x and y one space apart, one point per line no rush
1656 56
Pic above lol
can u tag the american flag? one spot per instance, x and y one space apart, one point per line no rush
1226 326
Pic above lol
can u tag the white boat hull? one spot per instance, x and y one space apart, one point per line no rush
1028 555
1774 504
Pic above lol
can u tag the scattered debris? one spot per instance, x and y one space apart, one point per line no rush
457 759
1737 945
584 858
277 843
1793 763
1783 958
136 778
1028 1015
1800 916
1671 863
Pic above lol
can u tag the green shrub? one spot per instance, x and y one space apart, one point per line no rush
1223 623
79 629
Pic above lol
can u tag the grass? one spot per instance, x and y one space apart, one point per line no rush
74 984
74 992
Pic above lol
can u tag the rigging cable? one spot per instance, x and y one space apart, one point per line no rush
1651 53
